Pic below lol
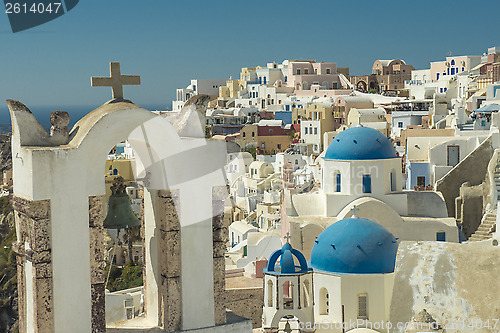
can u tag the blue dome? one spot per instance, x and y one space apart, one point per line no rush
360 143
287 264
355 246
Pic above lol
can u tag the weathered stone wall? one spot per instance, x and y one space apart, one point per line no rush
472 169
97 263
220 236
452 282
168 224
33 222
469 206
247 303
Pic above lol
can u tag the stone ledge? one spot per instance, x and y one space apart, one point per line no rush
37 210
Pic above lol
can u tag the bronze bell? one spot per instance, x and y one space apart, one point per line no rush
120 214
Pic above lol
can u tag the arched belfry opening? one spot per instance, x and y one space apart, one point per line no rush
59 190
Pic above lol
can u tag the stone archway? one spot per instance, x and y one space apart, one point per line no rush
58 188
361 85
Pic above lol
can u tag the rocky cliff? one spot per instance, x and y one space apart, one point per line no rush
8 269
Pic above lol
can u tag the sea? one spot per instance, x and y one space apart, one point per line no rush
42 113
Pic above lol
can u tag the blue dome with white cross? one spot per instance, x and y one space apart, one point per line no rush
360 143
355 246
287 265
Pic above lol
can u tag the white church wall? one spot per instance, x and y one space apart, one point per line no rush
377 288
406 228
352 172
335 203
331 313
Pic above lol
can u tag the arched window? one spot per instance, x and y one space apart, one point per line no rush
453 62
324 302
305 85
287 295
363 306
306 286
115 172
338 182
270 293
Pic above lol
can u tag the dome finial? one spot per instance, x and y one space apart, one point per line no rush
354 210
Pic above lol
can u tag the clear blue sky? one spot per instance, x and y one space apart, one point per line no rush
170 42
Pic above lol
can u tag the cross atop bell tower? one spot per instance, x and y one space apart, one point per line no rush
116 80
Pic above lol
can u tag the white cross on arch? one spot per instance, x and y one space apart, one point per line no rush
354 210
116 80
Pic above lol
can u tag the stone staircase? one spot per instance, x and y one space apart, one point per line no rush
486 228
468 126
488 223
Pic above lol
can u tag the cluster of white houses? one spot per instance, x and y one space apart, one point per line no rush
421 165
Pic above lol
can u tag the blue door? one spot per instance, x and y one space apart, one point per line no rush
367 184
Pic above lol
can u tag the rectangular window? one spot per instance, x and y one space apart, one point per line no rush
315 130
421 181
441 236
367 184
328 71
305 130
363 306
400 124
253 134
338 180
263 145
279 146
